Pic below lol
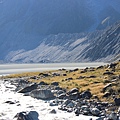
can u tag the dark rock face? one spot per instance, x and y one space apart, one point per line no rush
32 115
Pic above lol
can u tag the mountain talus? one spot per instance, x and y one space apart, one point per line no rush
96 46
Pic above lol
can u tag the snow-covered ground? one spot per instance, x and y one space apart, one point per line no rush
27 103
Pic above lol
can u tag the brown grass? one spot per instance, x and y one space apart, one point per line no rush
95 85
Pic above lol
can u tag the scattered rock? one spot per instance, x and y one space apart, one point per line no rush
74 90
108 73
44 74
55 74
84 71
76 69
53 111
107 94
42 83
99 67
85 110
53 103
92 76
86 94
32 115
67 79
64 74
117 101
33 77
55 83
74 96
11 102
61 96
112 65
60 92
107 86
95 111
112 116
81 77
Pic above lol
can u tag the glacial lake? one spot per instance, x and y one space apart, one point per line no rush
20 68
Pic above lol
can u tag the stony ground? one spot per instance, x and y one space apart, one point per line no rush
89 91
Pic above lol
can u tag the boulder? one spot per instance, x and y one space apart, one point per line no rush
74 96
85 110
86 94
55 83
76 69
11 102
77 112
100 67
74 90
61 96
66 102
60 92
53 103
42 83
107 94
28 88
42 94
70 105
107 86
112 65
44 74
117 101
112 116
108 73
53 111
32 115
33 77
95 111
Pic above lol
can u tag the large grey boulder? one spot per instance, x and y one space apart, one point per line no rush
28 88
95 111
42 94
32 115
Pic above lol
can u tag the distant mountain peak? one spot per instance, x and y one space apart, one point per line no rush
25 24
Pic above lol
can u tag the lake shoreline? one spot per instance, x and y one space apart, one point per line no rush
20 68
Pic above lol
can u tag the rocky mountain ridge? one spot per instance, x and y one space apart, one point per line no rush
97 46
24 25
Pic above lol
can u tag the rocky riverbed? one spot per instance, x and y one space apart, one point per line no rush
23 100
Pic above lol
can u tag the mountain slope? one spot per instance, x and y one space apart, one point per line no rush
97 46
24 25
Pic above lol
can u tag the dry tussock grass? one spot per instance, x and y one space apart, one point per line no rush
81 80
